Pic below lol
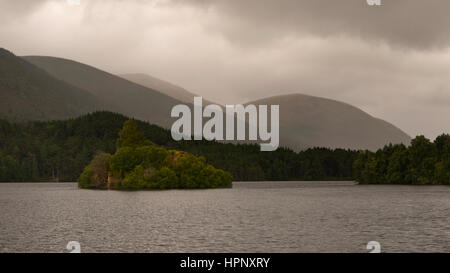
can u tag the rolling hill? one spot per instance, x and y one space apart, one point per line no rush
121 95
29 93
164 87
305 121
308 121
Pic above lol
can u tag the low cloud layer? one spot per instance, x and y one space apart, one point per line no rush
392 61
408 23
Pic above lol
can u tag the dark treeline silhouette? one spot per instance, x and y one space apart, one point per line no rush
59 151
423 162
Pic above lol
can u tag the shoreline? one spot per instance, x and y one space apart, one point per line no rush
275 182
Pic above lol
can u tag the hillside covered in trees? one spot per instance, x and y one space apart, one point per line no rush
59 151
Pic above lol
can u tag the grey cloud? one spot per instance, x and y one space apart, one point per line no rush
417 24
439 97
12 10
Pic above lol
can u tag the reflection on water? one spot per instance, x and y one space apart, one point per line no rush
251 217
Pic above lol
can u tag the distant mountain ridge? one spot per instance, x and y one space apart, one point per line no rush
27 92
308 121
76 88
164 87
121 95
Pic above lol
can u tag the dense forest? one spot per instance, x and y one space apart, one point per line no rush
423 162
59 151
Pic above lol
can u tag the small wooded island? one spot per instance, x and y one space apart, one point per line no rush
140 164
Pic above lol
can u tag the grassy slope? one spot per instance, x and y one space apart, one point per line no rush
305 121
309 121
165 87
29 93
122 95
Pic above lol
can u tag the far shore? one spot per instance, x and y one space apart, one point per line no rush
310 182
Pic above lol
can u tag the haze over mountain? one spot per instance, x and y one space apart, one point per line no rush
29 93
72 88
164 87
307 121
121 95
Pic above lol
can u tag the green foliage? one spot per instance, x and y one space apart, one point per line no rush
84 181
164 178
139 164
194 172
95 175
130 135
124 161
442 173
60 150
134 180
422 163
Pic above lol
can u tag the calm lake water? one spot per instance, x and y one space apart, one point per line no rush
251 217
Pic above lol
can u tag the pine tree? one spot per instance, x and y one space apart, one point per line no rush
130 135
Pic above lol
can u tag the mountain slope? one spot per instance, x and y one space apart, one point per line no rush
29 93
121 95
162 86
307 121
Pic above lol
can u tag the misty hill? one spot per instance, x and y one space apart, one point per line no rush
307 121
121 95
162 86
28 92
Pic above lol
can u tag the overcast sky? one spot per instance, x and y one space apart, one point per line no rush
392 61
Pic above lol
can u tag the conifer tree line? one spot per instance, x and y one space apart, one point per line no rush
423 162
59 151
